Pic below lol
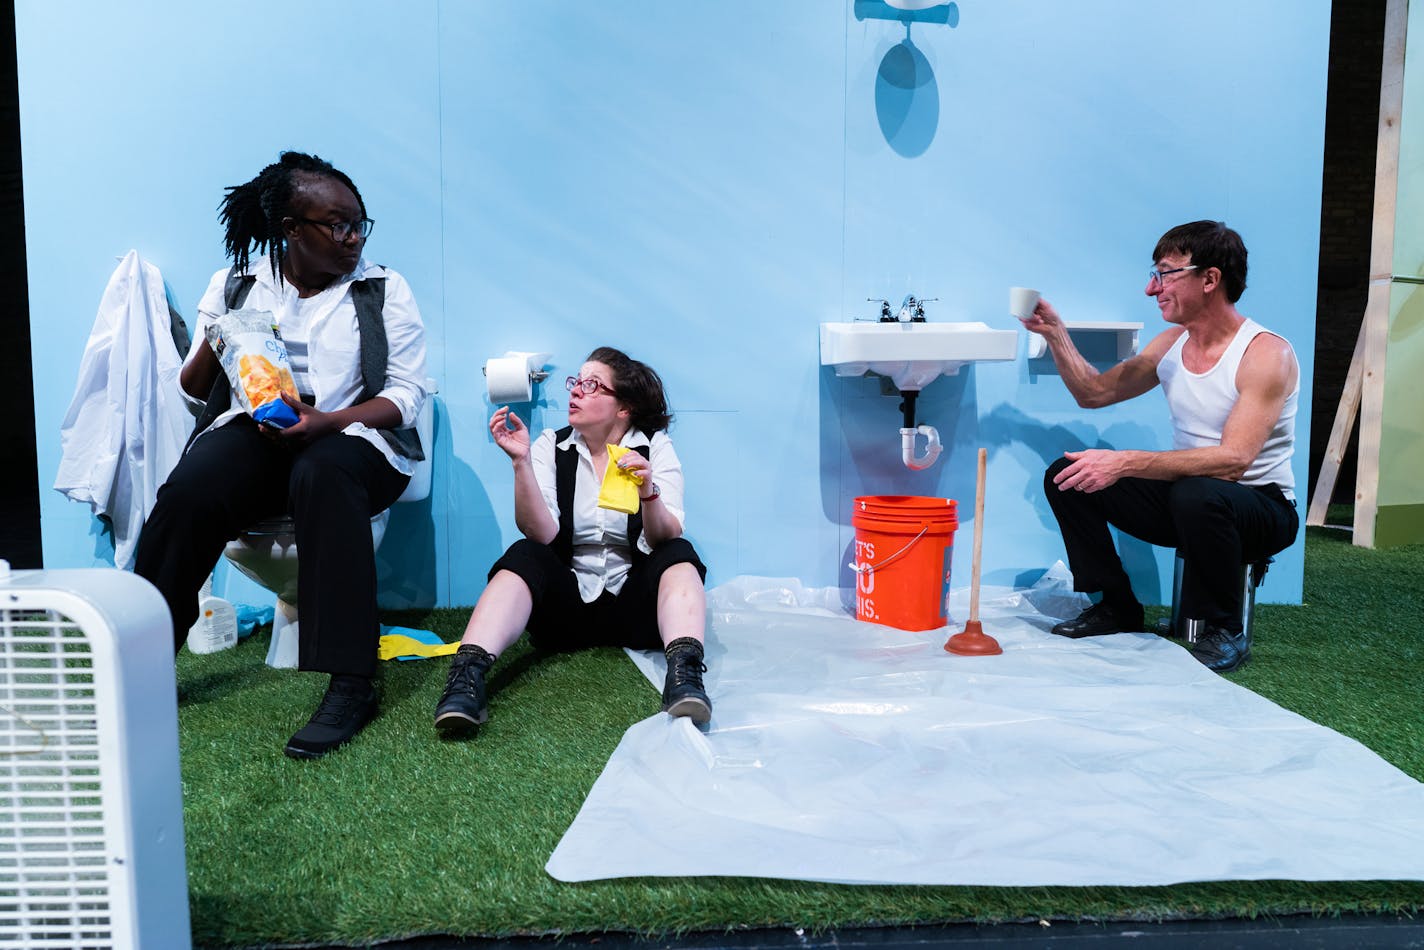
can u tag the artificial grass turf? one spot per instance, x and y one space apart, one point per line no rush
402 833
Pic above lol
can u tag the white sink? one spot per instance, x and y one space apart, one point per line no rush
912 354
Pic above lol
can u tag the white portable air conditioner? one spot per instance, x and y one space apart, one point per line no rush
91 805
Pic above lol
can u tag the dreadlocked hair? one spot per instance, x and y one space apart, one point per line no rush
252 213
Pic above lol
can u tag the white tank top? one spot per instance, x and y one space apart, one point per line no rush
1200 402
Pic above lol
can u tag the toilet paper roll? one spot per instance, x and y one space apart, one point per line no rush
507 380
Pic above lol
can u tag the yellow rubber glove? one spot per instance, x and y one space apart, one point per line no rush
394 645
619 491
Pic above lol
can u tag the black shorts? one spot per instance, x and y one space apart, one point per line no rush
561 621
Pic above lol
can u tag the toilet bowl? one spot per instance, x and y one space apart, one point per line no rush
267 551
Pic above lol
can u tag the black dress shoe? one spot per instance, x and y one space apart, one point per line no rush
348 705
1220 650
1098 620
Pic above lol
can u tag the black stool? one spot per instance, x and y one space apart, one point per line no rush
1252 574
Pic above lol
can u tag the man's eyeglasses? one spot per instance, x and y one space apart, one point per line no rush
589 386
341 230
1160 276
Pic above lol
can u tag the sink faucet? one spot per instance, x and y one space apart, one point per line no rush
908 306
913 310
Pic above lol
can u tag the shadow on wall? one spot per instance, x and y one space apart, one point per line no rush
405 561
102 531
406 574
709 441
1038 445
906 91
1099 349
861 453
860 437
473 535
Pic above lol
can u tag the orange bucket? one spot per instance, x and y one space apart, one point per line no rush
903 546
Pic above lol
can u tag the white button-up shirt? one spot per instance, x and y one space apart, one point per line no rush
326 327
601 556
126 426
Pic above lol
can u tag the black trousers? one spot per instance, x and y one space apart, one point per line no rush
561 622
233 476
1215 525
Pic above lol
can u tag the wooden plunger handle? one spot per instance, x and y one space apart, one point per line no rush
978 538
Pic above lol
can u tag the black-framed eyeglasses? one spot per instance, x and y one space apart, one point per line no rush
341 230
589 386
1160 276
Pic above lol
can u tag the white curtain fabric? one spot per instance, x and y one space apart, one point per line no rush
854 753
127 423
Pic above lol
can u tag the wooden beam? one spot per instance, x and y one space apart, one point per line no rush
1374 330
1339 442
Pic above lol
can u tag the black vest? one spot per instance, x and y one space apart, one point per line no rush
565 474
369 297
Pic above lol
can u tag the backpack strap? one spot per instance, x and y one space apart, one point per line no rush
235 291
236 288
369 296
565 475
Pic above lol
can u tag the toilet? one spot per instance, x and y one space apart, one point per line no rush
267 551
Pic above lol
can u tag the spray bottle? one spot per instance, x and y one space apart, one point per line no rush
216 628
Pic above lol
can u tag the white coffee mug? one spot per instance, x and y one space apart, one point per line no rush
1022 300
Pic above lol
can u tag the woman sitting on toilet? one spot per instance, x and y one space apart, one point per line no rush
335 468
585 575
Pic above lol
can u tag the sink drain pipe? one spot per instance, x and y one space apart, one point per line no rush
909 430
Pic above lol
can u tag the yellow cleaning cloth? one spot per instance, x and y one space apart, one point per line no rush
395 645
619 491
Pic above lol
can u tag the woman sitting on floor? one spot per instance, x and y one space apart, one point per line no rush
583 575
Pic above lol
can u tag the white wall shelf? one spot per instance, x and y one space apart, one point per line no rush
1126 336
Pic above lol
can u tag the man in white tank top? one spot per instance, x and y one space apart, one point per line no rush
1223 495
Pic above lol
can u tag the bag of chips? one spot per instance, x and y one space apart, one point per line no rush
252 354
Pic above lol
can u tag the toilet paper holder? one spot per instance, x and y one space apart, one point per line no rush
510 378
535 362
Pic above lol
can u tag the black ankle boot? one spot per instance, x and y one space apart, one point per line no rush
683 694
349 703
462 705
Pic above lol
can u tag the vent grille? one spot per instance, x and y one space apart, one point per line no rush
55 889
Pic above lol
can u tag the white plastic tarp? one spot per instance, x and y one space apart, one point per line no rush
848 752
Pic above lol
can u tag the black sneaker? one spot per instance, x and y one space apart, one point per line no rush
1221 650
1100 619
348 705
462 706
683 694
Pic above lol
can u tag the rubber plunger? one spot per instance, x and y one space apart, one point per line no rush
972 640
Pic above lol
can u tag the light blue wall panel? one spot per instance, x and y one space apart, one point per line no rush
136 116
666 179
1062 140
701 185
